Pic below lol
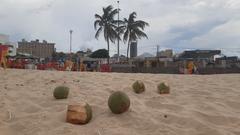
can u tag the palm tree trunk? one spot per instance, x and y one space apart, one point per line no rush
128 49
108 50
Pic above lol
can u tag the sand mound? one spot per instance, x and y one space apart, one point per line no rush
197 105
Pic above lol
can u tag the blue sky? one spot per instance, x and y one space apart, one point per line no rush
177 24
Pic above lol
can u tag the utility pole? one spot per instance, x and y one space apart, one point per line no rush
157 56
157 50
71 31
118 34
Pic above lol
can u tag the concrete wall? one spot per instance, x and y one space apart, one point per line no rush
172 70
145 70
218 70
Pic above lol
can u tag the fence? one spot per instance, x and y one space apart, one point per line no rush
172 70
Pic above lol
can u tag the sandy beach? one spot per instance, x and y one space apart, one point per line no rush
197 105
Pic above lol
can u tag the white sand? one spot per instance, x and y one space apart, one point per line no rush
197 105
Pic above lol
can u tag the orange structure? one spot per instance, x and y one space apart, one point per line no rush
3 54
68 65
82 67
190 67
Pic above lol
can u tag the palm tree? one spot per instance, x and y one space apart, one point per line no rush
105 23
132 30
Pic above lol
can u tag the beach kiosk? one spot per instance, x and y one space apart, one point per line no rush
3 55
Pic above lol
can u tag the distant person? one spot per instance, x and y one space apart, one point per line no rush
82 67
78 63
88 66
190 67
94 66
195 70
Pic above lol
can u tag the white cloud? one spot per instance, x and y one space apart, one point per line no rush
173 23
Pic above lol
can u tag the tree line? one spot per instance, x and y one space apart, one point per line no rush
129 29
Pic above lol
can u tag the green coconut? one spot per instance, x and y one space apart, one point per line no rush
89 113
163 88
119 102
138 87
61 92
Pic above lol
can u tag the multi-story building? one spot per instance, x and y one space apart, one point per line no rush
200 54
36 48
133 50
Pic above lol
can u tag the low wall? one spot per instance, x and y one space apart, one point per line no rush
145 70
173 70
218 70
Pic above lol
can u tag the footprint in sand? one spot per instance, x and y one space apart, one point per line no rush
6 116
217 119
190 123
158 105
32 109
233 105
19 127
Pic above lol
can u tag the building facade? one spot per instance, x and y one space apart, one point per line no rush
165 54
133 50
200 54
36 48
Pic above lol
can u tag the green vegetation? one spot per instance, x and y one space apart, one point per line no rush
107 24
59 55
101 53
119 102
132 30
